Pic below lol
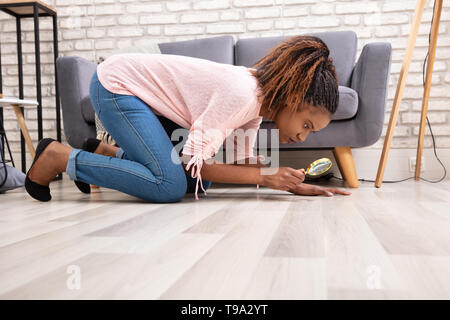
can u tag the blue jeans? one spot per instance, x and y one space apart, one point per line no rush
143 165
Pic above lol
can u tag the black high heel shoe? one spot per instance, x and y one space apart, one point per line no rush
36 190
89 145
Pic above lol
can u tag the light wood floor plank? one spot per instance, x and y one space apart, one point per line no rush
352 249
425 277
223 273
288 278
237 242
301 232
406 227
146 276
18 271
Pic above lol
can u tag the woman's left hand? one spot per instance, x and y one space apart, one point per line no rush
304 189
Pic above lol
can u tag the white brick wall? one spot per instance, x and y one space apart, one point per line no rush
90 28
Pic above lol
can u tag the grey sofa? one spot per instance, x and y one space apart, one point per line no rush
357 123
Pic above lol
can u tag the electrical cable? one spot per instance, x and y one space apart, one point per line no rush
428 122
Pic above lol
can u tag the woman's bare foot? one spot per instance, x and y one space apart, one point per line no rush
106 149
51 162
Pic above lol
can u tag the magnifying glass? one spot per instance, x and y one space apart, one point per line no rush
318 169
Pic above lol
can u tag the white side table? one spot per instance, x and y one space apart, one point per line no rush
16 104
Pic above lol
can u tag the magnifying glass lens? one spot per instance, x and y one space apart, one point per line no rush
319 167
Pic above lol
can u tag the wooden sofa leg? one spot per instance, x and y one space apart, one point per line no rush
344 159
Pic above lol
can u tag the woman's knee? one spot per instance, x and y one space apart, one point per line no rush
167 193
174 187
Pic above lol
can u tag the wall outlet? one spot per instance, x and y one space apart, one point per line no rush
412 164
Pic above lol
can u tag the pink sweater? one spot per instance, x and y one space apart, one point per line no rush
210 99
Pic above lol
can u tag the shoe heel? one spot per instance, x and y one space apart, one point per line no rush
35 190
82 186
91 144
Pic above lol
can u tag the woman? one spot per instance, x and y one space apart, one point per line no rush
295 85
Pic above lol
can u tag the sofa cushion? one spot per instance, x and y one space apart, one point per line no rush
342 45
74 76
347 107
217 49
348 104
87 111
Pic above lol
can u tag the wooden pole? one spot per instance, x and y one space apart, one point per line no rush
428 77
400 88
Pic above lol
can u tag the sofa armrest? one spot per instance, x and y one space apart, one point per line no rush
370 79
74 77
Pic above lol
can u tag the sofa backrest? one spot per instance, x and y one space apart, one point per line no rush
342 45
74 73
74 76
218 49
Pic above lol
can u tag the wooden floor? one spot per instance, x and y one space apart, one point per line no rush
237 243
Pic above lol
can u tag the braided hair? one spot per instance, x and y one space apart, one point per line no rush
296 71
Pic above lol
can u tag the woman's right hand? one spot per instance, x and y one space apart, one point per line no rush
285 178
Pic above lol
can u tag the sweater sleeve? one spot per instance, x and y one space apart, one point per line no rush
202 143
209 130
227 107
245 139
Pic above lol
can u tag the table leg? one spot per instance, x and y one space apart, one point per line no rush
23 128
